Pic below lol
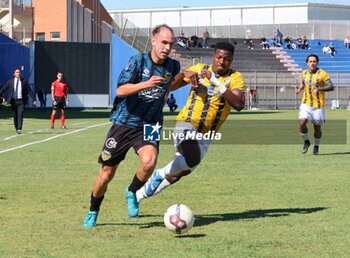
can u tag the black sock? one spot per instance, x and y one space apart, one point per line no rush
95 203
135 185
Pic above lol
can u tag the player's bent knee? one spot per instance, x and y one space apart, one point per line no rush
191 152
148 163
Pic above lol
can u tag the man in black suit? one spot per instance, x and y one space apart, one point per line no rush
18 91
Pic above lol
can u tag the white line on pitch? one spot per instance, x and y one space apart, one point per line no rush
51 138
16 135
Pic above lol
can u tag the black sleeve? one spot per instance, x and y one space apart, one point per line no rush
3 89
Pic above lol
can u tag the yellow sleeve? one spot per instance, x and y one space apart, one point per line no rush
325 76
195 68
237 81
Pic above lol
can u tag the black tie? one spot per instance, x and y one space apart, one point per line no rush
16 90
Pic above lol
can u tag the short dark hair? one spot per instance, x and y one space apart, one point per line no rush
157 29
17 68
312 55
225 46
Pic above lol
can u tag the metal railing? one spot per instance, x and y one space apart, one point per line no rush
277 90
140 40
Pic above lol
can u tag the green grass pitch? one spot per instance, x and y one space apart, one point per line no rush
249 200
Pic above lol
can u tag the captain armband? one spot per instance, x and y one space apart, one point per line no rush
216 82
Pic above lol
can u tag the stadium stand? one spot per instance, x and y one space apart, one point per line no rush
340 63
245 59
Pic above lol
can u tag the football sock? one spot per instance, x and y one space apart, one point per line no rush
164 184
317 141
135 185
52 120
175 166
95 203
62 120
140 193
305 136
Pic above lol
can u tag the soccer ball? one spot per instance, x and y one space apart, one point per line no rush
178 218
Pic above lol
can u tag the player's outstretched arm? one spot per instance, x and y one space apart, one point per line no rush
235 98
179 80
131 88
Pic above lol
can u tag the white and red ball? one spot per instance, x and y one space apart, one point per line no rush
178 218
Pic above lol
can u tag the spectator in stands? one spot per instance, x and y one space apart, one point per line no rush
332 48
305 43
275 42
206 39
172 103
264 43
182 41
249 42
347 42
289 41
299 42
278 35
326 49
193 42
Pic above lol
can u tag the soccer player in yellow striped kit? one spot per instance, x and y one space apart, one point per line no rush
215 90
315 82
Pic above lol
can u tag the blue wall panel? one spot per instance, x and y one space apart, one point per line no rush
12 55
121 53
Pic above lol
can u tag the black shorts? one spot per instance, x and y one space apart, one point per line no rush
60 103
118 142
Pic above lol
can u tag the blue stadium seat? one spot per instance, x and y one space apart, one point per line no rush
340 62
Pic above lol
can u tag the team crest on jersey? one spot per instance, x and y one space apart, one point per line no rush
105 155
168 76
145 72
111 143
227 80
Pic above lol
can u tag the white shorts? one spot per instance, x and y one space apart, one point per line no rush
184 128
316 115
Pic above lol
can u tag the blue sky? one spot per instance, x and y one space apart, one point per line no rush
119 4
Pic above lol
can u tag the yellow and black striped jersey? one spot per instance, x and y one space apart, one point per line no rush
206 109
312 81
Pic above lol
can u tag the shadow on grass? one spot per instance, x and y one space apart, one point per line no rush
202 220
191 235
335 153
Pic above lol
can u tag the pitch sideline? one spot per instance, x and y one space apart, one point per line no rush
51 138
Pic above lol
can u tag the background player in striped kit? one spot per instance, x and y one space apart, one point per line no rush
315 82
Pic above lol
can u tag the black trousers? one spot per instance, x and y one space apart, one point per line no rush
17 106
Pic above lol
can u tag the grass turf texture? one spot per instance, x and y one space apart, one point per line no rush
249 200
